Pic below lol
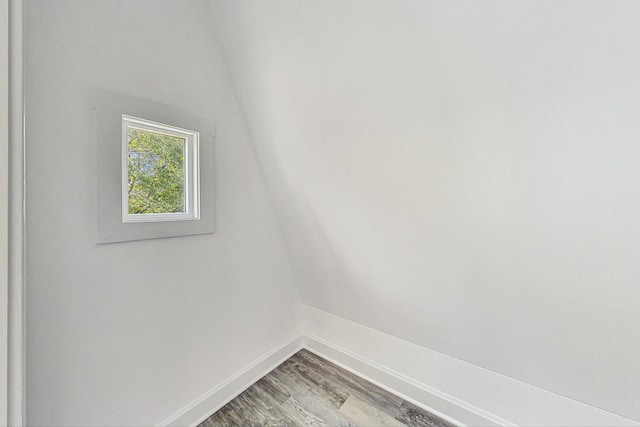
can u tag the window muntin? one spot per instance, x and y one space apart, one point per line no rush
159 172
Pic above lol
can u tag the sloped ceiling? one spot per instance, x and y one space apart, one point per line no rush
463 175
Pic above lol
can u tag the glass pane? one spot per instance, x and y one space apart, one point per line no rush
156 172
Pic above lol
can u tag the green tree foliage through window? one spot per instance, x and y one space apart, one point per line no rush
155 172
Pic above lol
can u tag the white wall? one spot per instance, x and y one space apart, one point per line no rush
462 392
126 334
463 175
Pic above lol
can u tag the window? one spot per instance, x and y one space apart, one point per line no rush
160 178
155 169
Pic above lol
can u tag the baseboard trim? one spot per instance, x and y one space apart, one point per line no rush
434 401
204 406
459 391
447 408
462 393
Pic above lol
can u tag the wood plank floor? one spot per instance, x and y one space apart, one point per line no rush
307 390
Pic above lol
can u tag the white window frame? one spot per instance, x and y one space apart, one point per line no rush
191 170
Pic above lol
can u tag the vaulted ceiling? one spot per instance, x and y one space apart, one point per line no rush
462 175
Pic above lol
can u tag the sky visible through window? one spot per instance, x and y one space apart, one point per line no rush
156 172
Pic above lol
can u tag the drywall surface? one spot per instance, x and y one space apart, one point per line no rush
463 175
467 394
129 333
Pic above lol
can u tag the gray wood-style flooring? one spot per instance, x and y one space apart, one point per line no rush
307 390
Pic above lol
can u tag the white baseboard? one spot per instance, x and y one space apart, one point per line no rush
462 392
200 409
444 406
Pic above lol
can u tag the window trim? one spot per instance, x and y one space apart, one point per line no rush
191 168
108 108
